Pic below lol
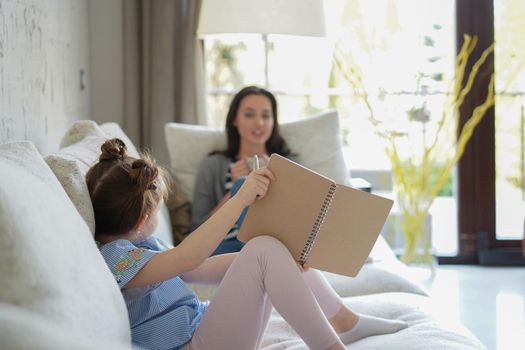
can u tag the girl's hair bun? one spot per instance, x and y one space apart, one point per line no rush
144 173
113 149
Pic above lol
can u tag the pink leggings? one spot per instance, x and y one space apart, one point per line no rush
265 274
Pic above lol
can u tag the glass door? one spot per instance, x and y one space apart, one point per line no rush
510 118
491 173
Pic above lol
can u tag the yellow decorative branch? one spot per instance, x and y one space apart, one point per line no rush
412 174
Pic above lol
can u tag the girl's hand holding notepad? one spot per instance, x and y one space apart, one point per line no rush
255 186
304 267
240 168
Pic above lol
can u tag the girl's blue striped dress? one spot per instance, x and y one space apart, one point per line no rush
162 316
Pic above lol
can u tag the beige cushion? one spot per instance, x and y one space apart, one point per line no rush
49 263
316 139
79 131
80 150
70 165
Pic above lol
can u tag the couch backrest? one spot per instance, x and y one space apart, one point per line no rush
80 149
49 262
316 139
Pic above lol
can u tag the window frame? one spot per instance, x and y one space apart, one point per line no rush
477 168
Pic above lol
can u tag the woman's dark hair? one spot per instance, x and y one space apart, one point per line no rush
124 189
275 144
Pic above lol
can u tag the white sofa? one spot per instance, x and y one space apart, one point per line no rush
57 292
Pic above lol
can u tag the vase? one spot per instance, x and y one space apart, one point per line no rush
415 228
417 239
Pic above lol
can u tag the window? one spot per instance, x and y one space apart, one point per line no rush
510 119
489 201
406 59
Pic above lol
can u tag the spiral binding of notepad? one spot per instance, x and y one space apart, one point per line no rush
317 224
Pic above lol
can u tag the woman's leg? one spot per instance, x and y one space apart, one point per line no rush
228 246
264 273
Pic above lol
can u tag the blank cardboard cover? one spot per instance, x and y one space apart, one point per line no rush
292 205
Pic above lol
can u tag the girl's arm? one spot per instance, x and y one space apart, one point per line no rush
199 245
211 271
223 200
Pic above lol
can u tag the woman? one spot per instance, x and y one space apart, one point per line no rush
252 128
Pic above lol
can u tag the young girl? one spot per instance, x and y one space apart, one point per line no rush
164 313
252 128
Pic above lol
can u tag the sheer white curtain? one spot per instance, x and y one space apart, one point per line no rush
163 70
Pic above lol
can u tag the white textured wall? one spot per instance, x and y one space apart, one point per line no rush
106 45
43 49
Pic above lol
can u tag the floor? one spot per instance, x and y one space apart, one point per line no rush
489 301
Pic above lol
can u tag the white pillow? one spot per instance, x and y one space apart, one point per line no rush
23 329
49 263
79 130
70 165
81 149
316 139
188 145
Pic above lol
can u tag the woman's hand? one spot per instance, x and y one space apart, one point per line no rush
255 186
239 168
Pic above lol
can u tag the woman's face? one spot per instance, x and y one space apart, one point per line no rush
254 119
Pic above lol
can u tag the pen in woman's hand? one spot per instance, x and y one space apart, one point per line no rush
256 161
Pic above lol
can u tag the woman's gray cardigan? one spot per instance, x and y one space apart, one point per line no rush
209 187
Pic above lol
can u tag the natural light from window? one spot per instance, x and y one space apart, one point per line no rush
510 118
406 62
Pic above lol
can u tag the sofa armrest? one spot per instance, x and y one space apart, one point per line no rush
360 183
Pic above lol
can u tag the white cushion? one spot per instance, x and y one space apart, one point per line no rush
81 149
23 329
317 140
374 279
382 273
49 263
79 131
425 330
70 165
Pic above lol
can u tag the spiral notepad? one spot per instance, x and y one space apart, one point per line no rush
317 225
329 226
